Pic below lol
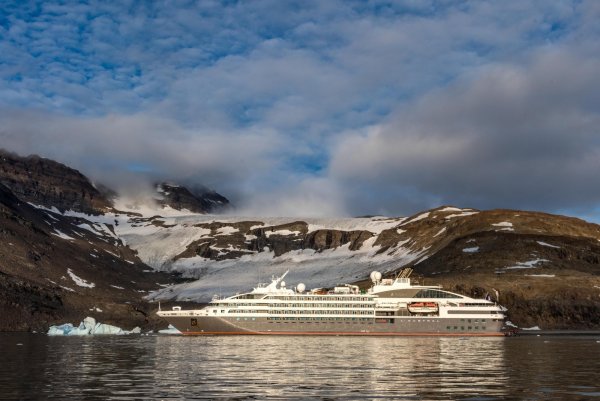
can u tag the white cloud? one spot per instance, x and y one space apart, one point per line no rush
393 107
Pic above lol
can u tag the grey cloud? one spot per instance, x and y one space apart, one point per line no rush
510 136
108 148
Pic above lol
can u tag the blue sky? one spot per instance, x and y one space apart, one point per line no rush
315 107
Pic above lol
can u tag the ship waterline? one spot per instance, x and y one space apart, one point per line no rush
391 307
405 327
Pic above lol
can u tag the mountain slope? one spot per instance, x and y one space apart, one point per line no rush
53 269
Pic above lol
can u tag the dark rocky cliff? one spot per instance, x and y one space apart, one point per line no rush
49 183
201 200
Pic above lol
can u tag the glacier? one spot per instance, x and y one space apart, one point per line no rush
160 235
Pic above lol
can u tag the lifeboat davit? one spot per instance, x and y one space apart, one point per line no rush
423 307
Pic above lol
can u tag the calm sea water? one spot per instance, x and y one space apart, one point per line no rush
303 368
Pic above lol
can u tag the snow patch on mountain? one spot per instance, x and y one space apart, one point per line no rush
527 265
542 243
419 217
474 249
62 235
463 214
227 230
440 232
79 281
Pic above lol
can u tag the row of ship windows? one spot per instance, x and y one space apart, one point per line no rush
303 305
319 305
323 298
321 319
308 319
345 319
319 312
302 312
463 328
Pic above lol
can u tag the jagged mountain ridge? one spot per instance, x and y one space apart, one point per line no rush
48 183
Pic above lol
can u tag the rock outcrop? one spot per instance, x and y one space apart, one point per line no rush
46 182
181 198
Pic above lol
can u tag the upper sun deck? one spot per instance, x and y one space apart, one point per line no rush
400 287
400 283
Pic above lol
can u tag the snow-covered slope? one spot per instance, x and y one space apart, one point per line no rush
228 254
237 264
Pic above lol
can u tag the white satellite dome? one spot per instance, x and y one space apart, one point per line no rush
282 285
375 276
300 287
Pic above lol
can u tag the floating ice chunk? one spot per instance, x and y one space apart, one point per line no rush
100 328
531 328
89 326
61 330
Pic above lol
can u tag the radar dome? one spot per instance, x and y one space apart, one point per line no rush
375 276
300 287
282 284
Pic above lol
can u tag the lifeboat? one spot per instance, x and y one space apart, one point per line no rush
423 307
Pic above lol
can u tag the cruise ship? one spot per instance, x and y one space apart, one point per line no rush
391 307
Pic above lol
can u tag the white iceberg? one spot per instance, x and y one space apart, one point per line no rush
89 326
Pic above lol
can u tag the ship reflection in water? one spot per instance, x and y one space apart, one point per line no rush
273 367
339 367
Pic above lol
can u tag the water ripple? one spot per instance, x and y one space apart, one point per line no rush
301 368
